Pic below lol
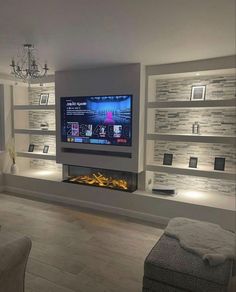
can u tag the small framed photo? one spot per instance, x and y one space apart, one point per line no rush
219 163
43 99
193 162
45 149
168 158
198 93
31 148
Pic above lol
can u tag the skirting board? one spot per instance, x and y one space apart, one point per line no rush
85 204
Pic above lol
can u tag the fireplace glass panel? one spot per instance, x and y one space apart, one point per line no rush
98 177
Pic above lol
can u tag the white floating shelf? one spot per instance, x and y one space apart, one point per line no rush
35 131
34 107
37 155
216 174
193 104
192 138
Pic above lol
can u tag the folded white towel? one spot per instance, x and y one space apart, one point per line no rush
207 240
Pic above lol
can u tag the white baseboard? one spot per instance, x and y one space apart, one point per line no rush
87 204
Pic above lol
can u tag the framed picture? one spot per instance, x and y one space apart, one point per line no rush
219 163
31 148
45 149
43 99
198 93
168 158
193 162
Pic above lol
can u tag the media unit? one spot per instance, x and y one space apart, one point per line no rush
99 118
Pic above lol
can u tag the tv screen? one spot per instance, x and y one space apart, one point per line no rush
103 120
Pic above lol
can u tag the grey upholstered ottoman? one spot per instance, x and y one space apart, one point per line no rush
169 268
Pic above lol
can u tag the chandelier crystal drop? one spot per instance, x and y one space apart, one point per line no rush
27 66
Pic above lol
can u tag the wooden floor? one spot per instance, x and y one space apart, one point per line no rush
79 250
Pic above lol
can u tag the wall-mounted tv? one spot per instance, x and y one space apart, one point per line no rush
103 120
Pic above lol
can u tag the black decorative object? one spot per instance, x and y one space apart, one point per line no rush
219 163
43 99
163 190
168 158
44 126
31 148
193 162
45 149
198 93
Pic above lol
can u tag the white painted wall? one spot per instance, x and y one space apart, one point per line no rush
1 182
8 125
1 175
6 129
20 96
2 140
2 136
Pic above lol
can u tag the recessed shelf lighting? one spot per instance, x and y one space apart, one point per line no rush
194 195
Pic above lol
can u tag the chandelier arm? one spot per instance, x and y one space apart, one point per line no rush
16 73
27 67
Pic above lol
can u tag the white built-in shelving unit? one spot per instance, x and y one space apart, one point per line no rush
26 107
155 166
190 201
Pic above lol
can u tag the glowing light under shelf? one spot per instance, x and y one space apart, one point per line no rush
195 195
44 172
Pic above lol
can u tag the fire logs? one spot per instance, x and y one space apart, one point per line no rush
100 180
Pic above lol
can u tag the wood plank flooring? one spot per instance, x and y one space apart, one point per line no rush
76 250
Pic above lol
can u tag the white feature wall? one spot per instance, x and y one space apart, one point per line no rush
114 80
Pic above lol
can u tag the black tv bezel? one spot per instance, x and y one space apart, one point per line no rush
83 96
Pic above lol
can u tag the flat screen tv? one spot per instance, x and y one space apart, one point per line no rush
103 120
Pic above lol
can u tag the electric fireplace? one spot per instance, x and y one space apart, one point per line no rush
98 177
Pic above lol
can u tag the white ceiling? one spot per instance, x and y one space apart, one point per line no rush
85 33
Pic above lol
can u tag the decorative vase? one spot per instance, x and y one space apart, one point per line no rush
14 169
195 128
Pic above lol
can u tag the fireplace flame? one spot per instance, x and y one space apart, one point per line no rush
100 180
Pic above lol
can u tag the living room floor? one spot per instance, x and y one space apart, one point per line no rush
77 249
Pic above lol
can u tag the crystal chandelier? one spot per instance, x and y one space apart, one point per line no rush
27 67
